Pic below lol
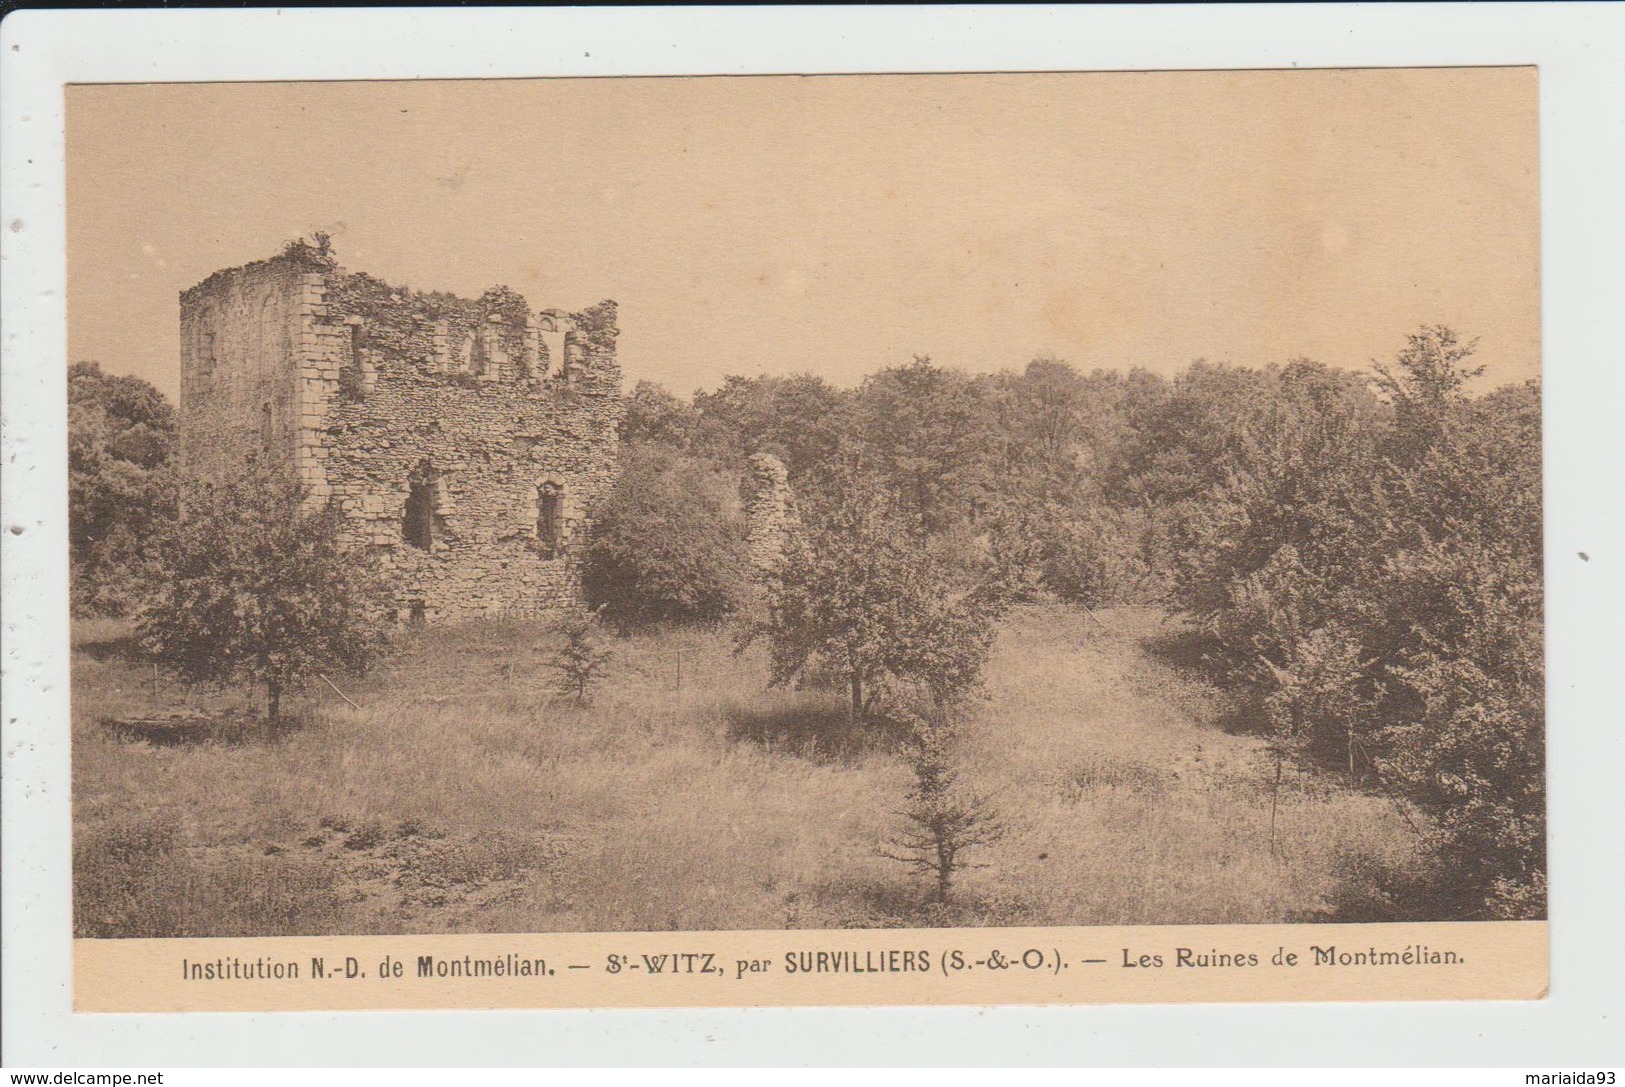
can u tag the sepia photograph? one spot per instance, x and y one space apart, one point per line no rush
807 502
939 536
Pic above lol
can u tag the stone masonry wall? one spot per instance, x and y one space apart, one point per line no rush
240 329
770 512
476 428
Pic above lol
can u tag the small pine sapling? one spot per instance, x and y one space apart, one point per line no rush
581 660
945 819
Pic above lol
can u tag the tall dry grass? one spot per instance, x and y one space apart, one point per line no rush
466 794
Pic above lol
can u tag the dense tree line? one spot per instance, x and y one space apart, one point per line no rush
1360 552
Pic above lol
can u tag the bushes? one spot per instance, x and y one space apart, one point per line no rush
669 543
1372 569
1092 556
121 486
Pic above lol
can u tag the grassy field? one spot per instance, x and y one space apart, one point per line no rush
464 795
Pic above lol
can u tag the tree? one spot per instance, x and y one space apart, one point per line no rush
254 585
1368 562
655 416
945 819
859 594
121 486
581 660
669 543
933 435
800 419
1278 545
1427 380
1052 397
1461 627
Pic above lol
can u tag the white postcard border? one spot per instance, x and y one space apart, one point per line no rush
1579 49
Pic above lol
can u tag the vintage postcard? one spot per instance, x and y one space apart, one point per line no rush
806 540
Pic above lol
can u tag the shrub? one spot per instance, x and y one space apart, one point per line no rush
668 544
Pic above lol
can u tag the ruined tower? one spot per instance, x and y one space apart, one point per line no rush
465 440
770 512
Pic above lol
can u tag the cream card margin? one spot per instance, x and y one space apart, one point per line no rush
1577 48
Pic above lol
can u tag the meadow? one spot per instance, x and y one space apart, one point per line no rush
462 793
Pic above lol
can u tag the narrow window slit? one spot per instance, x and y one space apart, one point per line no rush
418 523
549 519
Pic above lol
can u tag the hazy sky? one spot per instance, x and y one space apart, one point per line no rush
842 224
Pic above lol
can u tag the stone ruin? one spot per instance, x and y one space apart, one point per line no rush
464 440
770 513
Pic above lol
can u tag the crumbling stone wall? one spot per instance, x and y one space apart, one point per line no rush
465 440
240 330
770 512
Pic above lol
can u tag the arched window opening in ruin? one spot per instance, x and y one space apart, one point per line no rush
418 523
550 519
550 344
